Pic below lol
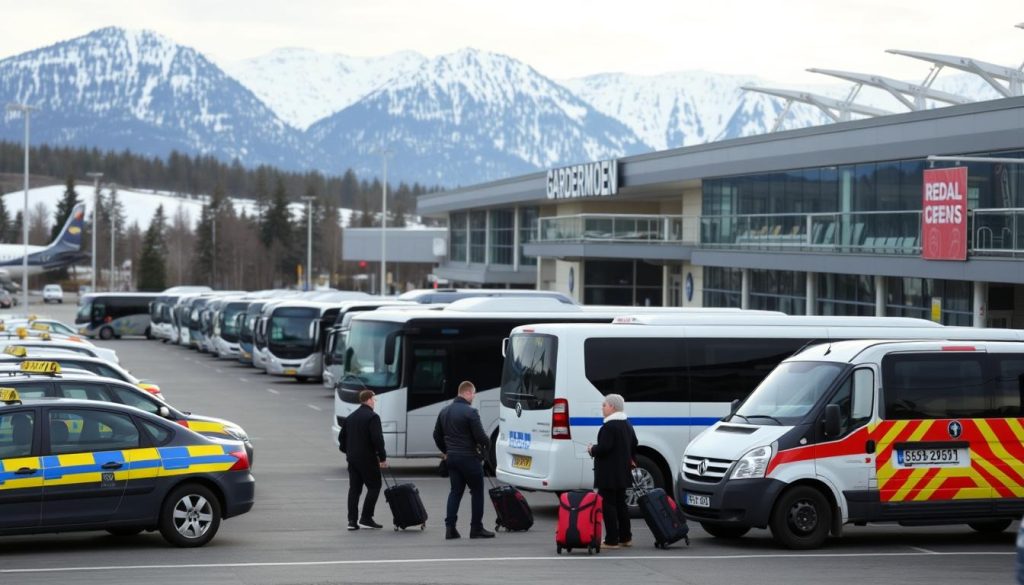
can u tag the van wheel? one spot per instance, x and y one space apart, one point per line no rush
990 526
106 333
302 379
802 518
649 476
190 516
724 531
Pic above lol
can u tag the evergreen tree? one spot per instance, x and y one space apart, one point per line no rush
153 259
17 231
5 222
202 265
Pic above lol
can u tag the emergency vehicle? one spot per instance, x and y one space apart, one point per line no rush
912 432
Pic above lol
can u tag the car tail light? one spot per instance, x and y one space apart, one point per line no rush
243 460
560 419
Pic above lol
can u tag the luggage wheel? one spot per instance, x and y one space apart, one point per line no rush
558 548
396 528
423 526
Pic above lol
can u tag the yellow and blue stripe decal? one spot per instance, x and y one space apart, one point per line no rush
10 480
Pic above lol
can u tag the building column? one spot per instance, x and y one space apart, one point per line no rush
515 239
745 288
665 294
980 300
880 296
812 293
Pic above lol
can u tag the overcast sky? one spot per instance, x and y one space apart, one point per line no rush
563 38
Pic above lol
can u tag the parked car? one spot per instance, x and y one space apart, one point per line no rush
53 293
6 300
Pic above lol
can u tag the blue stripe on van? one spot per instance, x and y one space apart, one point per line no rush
649 421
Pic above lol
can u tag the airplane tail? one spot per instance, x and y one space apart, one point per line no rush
70 238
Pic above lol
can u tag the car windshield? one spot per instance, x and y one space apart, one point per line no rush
365 356
788 393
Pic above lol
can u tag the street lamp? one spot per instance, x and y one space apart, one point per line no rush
309 199
26 111
113 231
384 154
95 216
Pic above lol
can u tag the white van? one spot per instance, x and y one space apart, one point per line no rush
678 374
919 433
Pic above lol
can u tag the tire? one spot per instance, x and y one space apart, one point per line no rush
990 526
106 333
802 518
149 333
724 531
124 531
190 516
302 379
651 477
492 456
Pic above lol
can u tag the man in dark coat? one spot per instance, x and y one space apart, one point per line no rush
461 438
362 440
613 456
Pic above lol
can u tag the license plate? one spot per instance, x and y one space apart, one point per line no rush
290 372
938 457
698 501
522 461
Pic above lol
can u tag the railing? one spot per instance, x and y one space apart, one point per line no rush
872 232
598 227
998 232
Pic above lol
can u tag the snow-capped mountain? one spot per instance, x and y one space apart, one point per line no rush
117 89
303 86
471 116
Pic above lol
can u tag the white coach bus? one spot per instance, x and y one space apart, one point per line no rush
415 359
678 374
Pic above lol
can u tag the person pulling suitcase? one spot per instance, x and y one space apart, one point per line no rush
362 440
460 436
613 455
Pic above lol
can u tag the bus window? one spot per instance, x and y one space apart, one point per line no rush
427 376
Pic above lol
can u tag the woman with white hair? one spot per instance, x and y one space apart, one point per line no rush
613 461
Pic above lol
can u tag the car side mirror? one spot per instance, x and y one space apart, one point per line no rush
504 347
164 412
734 406
832 427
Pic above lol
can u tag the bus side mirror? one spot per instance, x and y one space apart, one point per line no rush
832 427
504 347
348 358
734 406
389 348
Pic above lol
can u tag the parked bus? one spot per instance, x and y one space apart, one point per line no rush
919 433
333 345
294 330
110 315
246 329
678 375
161 324
415 360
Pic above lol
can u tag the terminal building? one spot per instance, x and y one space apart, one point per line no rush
818 221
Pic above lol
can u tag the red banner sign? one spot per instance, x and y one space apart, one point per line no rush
944 214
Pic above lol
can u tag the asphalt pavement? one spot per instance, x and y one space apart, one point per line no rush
296 533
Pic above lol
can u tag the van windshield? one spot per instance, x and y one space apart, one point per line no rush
788 393
365 353
528 375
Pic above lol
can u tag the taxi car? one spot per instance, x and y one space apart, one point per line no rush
77 465
42 378
15 354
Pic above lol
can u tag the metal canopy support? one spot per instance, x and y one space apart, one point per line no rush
836 110
992 74
909 94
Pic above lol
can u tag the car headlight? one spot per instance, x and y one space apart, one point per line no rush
753 464
236 432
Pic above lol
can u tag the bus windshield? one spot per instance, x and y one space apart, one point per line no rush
364 356
229 323
788 393
528 376
290 330
91 312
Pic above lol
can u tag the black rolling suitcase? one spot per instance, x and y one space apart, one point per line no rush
511 508
663 517
406 505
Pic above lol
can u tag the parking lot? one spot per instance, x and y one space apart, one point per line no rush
296 532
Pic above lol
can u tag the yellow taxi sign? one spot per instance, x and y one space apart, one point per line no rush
40 367
40 326
22 332
9 395
16 350
44 336
3 327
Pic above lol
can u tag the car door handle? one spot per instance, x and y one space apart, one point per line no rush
112 465
26 471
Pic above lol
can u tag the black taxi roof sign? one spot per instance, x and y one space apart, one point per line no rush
9 396
16 350
40 367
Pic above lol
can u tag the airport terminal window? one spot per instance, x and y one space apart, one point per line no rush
778 290
935 386
459 239
77 431
501 228
16 433
722 286
912 297
846 294
478 237
527 232
622 282
641 370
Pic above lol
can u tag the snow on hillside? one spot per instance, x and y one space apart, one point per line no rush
139 206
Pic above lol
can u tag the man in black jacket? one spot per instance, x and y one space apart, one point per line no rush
460 436
613 456
362 440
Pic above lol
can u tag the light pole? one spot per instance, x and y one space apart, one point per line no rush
26 111
384 154
95 216
213 255
113 231
309 199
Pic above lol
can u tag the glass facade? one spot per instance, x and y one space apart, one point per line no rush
846 294
778 290
458 241
488 236
912 297
502 226
478 237
722 286
527 232
622 282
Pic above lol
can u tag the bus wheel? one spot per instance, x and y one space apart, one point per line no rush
724 531
149 333
802 518
106 333
990 526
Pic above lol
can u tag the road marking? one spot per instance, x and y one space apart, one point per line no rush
403 478
923 550
478 560
272 391
243 379
317 408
